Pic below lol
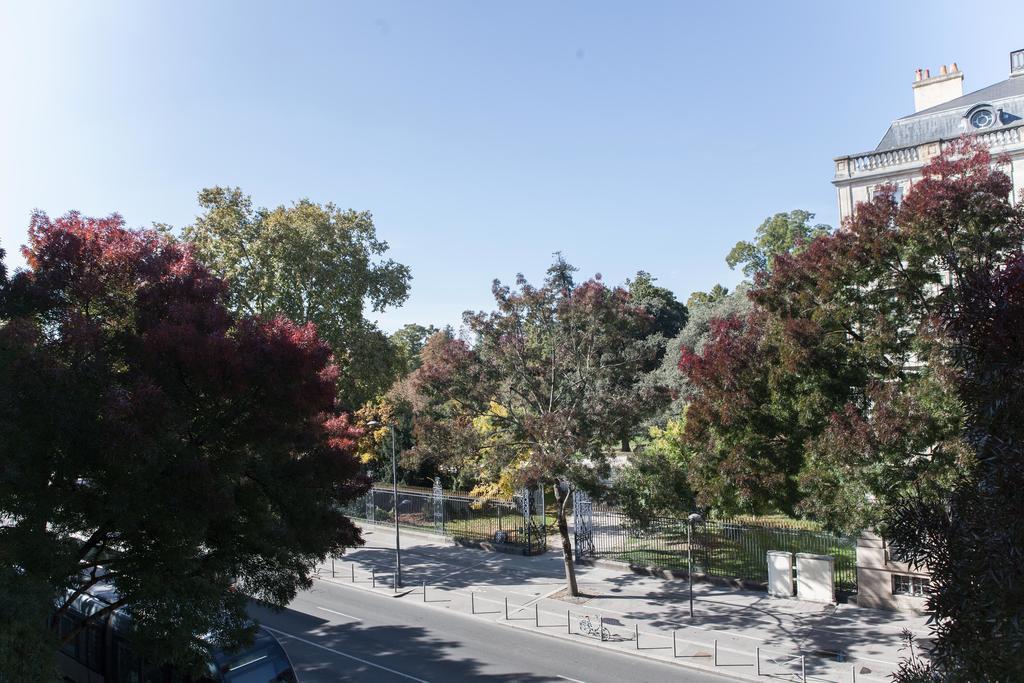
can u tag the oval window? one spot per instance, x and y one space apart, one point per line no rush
983 118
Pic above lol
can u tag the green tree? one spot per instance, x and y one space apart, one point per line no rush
152 440
527 403
409 340
654 480
783 233
693 335
669 314
717 293
311 263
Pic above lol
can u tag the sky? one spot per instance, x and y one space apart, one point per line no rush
483 137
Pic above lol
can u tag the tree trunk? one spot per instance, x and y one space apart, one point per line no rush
625 444
561 499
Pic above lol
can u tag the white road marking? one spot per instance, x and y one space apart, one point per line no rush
566 678
343 654
340 614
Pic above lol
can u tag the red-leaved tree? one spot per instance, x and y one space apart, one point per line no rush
151 440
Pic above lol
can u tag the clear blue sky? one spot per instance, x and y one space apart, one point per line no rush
482 136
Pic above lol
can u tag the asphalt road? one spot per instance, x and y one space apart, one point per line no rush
334 633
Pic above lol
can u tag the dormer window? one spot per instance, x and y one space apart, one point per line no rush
982 117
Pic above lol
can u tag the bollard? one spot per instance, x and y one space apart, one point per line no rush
373 577
757 656
352 564
332 567
394 582
673 644
506 608
601 627
853 673
536 615
636 635
424 591
568 622
716 651
803 670
472 601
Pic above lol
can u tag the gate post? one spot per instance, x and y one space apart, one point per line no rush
370 505
438 507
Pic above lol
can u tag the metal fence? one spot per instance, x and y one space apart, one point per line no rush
517 522
721 548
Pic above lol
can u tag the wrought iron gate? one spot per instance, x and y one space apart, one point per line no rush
529 504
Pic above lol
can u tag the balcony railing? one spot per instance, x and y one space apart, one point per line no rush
894 157
997 138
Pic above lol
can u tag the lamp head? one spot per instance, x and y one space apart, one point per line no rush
694 518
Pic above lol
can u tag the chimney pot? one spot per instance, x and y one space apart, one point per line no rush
946 85
917 75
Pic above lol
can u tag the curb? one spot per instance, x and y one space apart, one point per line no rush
369 589
637 655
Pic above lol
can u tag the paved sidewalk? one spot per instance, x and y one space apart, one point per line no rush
744 627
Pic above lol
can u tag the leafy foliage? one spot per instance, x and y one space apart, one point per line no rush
310 263
409 341
717 293
783 233
669 315
971 539
529 403
653 481
832 397
151 439
694 334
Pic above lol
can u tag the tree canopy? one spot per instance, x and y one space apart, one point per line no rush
154 440
828 398
310 263
528 401
783 233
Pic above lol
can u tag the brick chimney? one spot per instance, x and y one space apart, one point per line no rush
932 90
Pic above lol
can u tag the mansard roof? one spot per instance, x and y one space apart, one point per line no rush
946 121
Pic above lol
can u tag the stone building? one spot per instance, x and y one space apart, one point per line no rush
883 582
942 113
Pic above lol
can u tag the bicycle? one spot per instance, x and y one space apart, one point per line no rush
587 627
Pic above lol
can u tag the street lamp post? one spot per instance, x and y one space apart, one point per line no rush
694 518
394 489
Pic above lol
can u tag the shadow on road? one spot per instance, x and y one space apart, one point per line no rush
407 649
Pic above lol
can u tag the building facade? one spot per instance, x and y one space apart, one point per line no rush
942 113
883 582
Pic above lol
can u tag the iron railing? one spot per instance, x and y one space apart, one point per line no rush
460 517
721 548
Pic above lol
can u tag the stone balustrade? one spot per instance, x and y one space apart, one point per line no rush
999 138
893 157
